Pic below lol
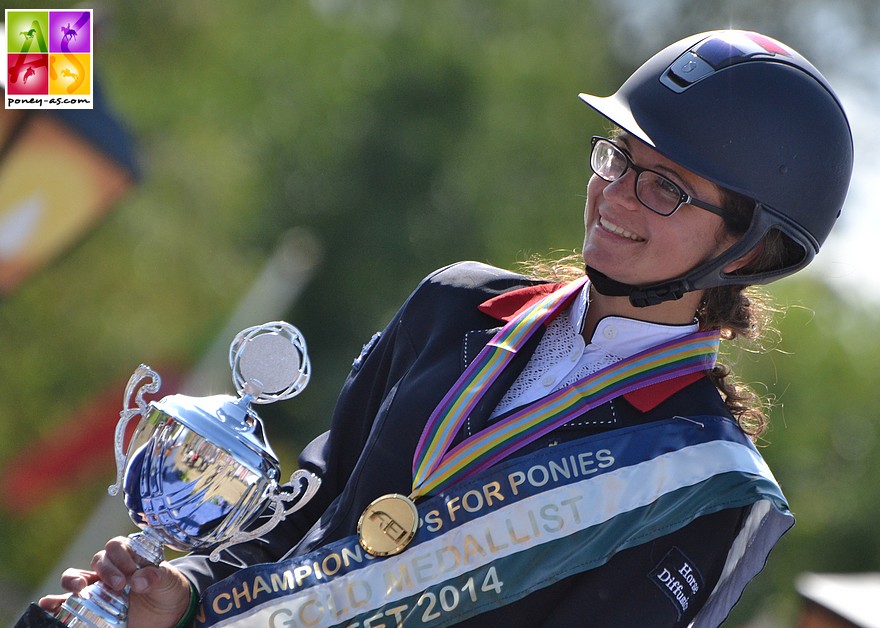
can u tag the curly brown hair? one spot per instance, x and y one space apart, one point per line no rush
742 311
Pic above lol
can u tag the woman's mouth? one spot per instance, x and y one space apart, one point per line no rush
618 230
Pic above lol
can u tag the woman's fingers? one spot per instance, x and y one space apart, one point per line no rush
74 580
115 563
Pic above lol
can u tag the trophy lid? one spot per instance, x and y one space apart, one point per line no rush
224 421
269 363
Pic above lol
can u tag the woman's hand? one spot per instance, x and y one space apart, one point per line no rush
159 596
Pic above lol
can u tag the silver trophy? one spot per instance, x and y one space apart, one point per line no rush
198 471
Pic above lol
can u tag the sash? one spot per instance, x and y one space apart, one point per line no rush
524 524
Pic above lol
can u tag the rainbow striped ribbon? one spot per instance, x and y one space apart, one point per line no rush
436 466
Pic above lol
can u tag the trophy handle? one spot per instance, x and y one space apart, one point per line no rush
300 495
141 373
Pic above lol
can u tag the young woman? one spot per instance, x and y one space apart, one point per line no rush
517 451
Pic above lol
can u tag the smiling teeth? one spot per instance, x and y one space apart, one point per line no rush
610 226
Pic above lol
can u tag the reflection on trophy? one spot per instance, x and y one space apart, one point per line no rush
198 471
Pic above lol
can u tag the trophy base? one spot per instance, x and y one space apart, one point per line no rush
36 617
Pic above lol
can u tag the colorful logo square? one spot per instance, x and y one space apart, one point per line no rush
28 74
70 31
49 59
27 31
69 73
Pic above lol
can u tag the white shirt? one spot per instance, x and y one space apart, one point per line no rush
562 357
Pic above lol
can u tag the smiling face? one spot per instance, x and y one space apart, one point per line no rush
629 243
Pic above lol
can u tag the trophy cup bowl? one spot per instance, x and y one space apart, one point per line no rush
191 488
198 471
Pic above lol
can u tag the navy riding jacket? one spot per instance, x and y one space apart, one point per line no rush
393 387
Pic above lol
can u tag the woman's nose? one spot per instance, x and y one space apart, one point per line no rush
623 190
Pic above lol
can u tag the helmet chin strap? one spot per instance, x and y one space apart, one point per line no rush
709 274
639 296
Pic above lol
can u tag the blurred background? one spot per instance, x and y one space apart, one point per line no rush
312 161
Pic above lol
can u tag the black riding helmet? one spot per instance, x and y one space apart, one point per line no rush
753 116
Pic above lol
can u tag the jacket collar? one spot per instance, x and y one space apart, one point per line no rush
504 307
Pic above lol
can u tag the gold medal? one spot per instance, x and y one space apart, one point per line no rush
388 524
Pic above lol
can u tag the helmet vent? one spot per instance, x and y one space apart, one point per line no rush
685 71
717 52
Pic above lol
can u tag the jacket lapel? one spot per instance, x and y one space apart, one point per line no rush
502 308
479 417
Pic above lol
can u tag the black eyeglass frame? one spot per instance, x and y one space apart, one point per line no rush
683 198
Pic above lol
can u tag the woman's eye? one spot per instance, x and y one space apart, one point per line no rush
667 188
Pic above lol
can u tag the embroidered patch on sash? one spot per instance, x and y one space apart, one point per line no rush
365 351
677 576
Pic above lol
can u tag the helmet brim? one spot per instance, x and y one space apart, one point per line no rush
618 112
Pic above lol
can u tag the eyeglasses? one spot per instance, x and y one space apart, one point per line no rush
658 193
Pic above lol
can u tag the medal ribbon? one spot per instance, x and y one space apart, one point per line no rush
435 466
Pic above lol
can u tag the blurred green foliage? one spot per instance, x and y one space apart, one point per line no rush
404 136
